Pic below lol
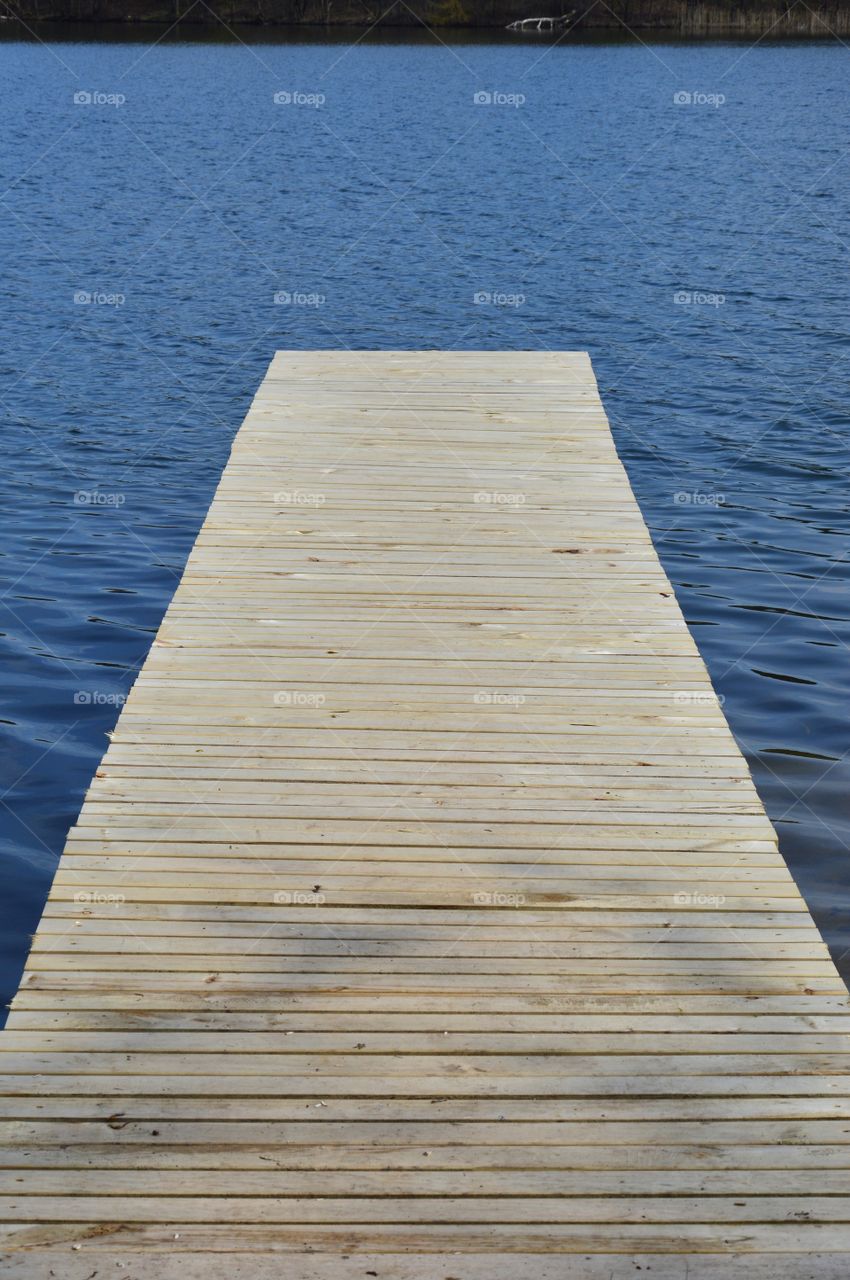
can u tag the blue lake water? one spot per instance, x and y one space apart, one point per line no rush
697 248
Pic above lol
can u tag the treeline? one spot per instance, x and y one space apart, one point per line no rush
812 18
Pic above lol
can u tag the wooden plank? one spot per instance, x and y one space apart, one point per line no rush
422 852
197 1255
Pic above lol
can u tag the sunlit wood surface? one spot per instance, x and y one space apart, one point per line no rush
422 920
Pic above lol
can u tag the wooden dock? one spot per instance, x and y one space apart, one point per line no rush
422 921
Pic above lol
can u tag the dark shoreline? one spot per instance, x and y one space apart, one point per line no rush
455 20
